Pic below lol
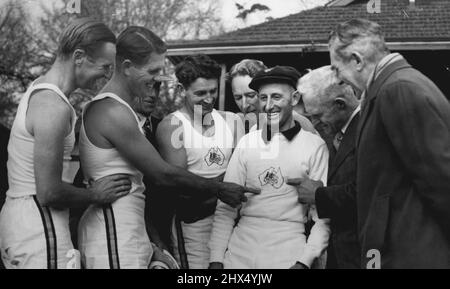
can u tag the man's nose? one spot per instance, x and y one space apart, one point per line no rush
244 103
269 104
208 99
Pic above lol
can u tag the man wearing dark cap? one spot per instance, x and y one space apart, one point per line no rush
270 233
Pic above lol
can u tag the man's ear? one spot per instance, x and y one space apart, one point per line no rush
299 107
180 90
358 58
340 103
295 98
79 55
126 66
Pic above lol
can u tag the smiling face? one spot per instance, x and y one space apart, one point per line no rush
326 100
143 83
277 101
202 92
325 116
245 97
89 69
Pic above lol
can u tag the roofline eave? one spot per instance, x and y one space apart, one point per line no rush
290 48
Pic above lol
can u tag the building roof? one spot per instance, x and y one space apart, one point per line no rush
428 23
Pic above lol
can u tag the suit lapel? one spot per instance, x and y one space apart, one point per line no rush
373 90
346 147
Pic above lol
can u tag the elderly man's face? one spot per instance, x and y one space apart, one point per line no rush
345 70
324 112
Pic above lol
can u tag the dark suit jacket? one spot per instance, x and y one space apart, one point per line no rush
337 202
403 171
159 200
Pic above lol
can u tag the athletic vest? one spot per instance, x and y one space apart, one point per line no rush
21 176
99 162
207 156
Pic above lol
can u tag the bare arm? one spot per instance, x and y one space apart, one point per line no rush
49 133
120 129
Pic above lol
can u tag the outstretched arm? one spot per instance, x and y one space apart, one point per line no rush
120 129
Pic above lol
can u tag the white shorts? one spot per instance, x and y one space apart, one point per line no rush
259 243
195 238
34 237
115 237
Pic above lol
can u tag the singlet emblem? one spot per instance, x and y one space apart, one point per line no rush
272 177
214 156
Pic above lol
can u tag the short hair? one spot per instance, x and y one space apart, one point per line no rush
197 66
366 35
84 33
137 43
249 67
324 85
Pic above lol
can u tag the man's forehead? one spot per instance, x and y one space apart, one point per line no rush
203 83
156 61
276 87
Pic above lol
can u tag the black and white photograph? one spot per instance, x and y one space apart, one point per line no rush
208 138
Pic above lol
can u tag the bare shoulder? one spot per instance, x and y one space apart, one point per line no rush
46 99
228 115
108 112
56 110
168 125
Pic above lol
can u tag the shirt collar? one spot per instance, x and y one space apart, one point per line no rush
388 59
355 112
289 134
142 119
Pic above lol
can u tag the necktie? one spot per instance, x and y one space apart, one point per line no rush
147 127
337 140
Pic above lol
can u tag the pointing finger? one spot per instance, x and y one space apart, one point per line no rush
252 191
295 181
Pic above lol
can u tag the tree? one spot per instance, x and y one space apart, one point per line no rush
27 50
21 59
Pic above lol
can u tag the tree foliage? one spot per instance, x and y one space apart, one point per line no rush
27 48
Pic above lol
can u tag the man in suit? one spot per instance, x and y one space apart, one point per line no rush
159 205
334 110
402 152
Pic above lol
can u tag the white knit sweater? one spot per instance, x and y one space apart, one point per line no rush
267 167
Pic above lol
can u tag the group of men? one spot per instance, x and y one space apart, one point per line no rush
372 172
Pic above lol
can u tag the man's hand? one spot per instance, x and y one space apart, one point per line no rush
300 266
306 189
233 194
159 256
108 189
216 266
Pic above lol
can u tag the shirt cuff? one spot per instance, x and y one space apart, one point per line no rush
217 256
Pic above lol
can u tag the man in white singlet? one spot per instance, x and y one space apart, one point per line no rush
112 141
207 142
34 222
